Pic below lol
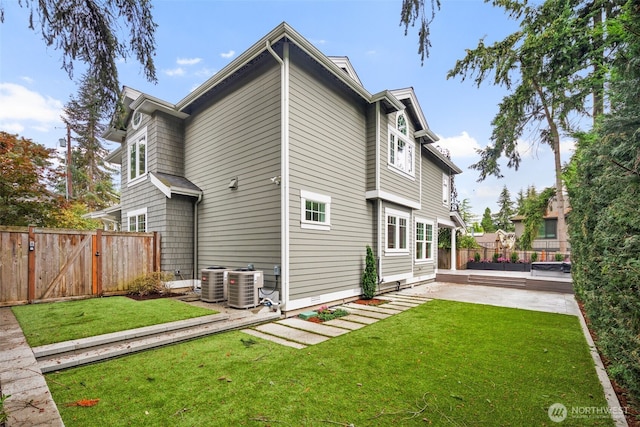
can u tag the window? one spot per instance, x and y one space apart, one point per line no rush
400 146
136 119
424 240
315 211
446 195
548 229
137 220
138 155
397 233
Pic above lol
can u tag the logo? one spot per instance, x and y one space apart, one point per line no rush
557 412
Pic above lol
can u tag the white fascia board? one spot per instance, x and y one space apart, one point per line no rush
394 198
281 31
386 95
446 222
115 156
166 190
149 104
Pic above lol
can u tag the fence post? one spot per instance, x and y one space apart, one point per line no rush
96 286
31 266
156 251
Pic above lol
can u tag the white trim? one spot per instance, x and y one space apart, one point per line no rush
134 140
160 185
393 198
136 213
397 277
136 113
425 221
446 183
409 146
324 298
448 223
315 197
397 214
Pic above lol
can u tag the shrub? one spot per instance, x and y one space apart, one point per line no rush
514 257
495 258
327 314
559 257
3 414
534 257
150 283
369 276
476 257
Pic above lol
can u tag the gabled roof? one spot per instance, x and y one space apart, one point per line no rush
409 98
172 184
344 63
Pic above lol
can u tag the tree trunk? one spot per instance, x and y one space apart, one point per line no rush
562 224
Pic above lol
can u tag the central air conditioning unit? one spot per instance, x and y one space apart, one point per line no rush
213 286
243 287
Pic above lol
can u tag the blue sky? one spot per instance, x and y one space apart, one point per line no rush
196 38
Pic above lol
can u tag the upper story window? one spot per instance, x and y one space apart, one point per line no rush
397 231
548 229
137 220
446 189
401 148
315 211
136 119
137 148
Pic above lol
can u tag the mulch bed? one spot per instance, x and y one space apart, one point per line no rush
138 297
372 301
632 413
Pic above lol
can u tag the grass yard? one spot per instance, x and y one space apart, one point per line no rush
442 363
62 321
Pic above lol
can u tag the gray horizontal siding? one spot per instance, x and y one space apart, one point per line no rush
238 135
177 239
371 147
328 155
169 145
432 206
391 181
394 264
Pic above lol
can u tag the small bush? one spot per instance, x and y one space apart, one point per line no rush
476 257
327 314
559 257
534 257
369 276
150 283
495 257
514 257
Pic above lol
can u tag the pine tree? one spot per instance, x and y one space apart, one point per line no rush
502 219
92 180
487 222
369 276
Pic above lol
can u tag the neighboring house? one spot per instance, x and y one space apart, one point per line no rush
285 161
548 238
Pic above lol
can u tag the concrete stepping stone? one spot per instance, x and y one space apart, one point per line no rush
345 324
316 328
377 309
291 334
274 339
359 319
401 302
393 306
360 310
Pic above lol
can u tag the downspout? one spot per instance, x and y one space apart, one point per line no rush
284 170
378 201
195 239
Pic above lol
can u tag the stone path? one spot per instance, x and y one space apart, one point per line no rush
297 333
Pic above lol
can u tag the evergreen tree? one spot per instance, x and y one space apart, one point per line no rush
98 33
91 176
502 219
520 202
487 222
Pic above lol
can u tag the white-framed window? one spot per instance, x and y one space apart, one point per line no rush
401 148
136 119
137 148
397 233
446 190
137 220
424 240
315 211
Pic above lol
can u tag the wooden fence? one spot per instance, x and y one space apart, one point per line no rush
39 264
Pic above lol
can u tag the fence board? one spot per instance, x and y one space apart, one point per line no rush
71 263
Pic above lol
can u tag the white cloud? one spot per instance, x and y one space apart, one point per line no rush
229 54
205 72
567 146
21 107
27 79
188 61
462 145
175 72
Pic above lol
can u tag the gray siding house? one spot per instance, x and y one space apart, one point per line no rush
285 161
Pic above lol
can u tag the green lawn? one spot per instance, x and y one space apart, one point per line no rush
62 321
443 363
